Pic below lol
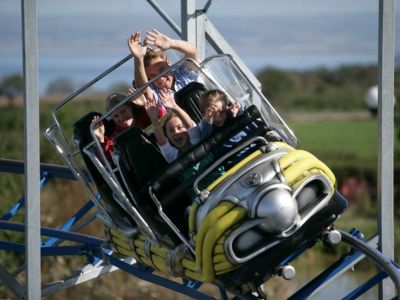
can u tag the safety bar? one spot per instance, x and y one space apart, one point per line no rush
223 158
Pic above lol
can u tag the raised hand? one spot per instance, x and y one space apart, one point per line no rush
135 45
152 110
130 91
99 130
156 38
154 115
234 108
139 100
167 99
209 114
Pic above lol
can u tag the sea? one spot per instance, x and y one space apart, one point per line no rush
80 68
77 68
81 46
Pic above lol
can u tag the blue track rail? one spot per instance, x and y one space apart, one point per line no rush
96 251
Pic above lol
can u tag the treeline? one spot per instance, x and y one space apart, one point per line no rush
343 88
12 86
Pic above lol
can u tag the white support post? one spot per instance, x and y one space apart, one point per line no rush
188 20
32 157
386 137
218 42
201 19
165 16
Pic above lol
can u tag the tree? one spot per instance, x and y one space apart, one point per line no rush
61 85
275 81
120 86
11 87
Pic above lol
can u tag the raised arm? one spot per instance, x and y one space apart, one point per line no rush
139 51
204 129
99 131
153 113
139 100
167 99
156 38
236 109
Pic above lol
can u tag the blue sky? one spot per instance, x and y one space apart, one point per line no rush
286 34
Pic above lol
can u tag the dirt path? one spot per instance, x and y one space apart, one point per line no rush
328 116
288 116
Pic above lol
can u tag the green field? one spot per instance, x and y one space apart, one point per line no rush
348 144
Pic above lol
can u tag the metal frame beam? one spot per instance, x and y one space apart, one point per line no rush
10 281
32 157
222 46
188 20
386 136
87 273
196 28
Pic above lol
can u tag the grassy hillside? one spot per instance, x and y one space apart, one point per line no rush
340 143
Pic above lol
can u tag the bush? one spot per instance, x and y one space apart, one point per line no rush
321 89
61 85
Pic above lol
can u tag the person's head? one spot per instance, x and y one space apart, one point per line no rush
123 116
156 62
216 100
176 133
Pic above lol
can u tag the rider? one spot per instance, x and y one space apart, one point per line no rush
150 62
125 116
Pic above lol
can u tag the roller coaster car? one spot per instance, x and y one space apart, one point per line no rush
233 228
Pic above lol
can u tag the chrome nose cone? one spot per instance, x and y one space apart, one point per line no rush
278 210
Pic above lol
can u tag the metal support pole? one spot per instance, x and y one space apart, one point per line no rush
218 42
166 18
10 281
201 18
31 136
386 133
194 24
188 20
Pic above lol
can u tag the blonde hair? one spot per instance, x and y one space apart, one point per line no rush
211 97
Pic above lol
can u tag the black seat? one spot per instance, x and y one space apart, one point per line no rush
188 98
140 156
138 160
83 137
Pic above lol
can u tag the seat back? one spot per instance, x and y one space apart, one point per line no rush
188 98
138 159
142 159
83 137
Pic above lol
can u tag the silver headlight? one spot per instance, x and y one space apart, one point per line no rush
278 210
